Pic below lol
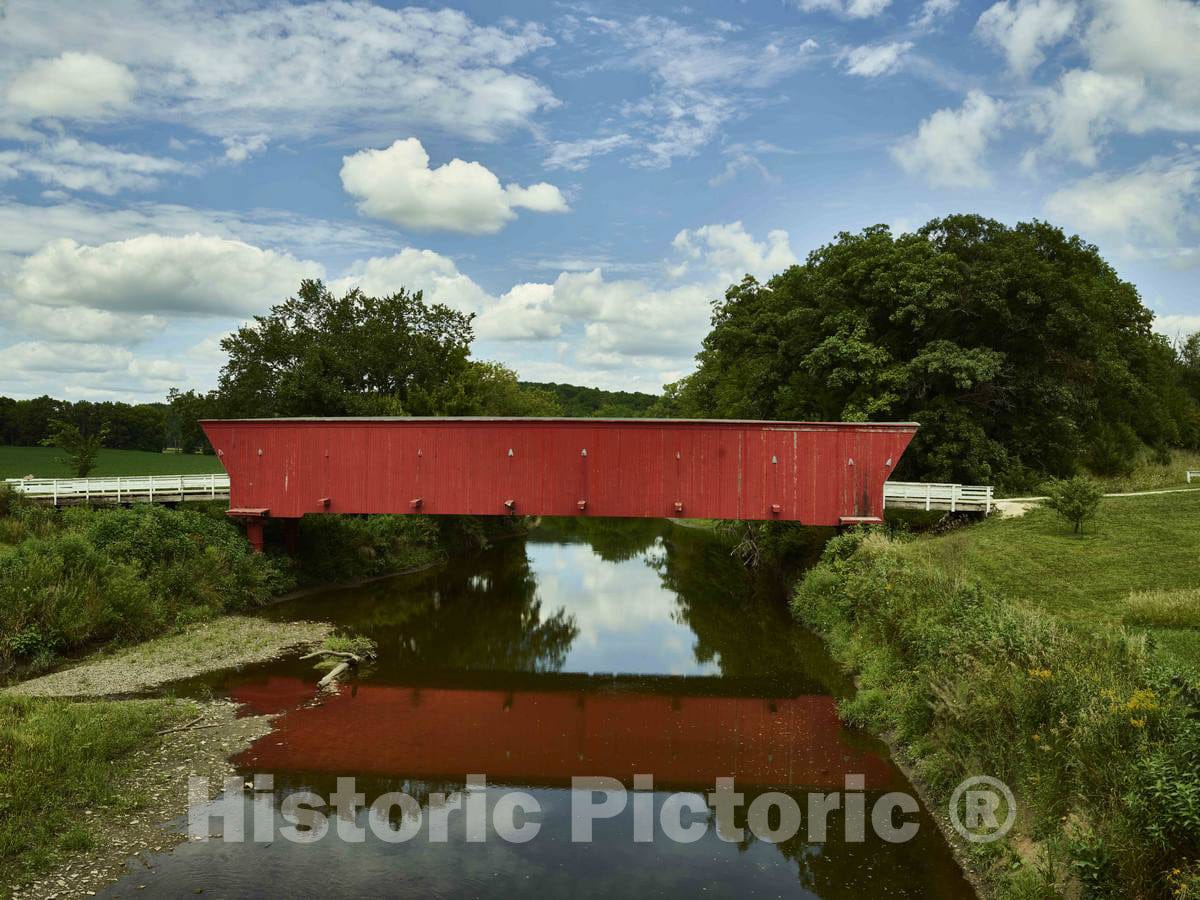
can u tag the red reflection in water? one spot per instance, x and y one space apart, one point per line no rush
546 737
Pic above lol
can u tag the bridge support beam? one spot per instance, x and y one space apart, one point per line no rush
254 534
253 520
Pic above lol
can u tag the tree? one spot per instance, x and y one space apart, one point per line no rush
81 449
181 426
1075 499
357 355
1189 359
317 354
1018 349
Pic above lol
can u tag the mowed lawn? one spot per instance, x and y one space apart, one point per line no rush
44 462
1135 544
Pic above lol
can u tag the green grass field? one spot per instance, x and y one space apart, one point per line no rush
1134 545
43 462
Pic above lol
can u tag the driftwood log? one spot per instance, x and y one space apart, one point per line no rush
349 660
332 674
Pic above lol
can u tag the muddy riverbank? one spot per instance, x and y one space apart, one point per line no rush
223 643
149 815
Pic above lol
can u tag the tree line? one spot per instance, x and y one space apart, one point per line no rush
130 426
582 402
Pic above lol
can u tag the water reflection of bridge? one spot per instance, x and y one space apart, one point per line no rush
542 730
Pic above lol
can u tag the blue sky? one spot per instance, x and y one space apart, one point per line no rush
585 177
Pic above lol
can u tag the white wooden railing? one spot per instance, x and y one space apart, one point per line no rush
1192 473
123 488
930 495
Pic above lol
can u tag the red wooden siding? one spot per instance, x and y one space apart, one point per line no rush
815 473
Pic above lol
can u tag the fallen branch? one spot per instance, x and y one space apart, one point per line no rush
354 658
182 727
191 726
333 674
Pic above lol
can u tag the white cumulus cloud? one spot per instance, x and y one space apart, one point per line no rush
240 149
398 185
606 323
1085 109
72 85
1024 31
155 274
1142 74
424 270
82 324
732 252
949 146
1149 211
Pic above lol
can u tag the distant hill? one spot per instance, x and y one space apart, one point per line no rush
582 402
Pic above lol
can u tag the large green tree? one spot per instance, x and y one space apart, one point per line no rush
1018 349
317 354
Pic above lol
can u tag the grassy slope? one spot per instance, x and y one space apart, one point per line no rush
1077 720
43 462
1134 544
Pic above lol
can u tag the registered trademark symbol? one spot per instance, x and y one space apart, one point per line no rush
974 807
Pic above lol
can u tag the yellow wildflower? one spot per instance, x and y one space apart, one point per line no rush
1141 699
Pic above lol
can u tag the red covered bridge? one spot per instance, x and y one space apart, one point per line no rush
816 473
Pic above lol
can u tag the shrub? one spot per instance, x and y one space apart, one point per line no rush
1075 499
85 576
